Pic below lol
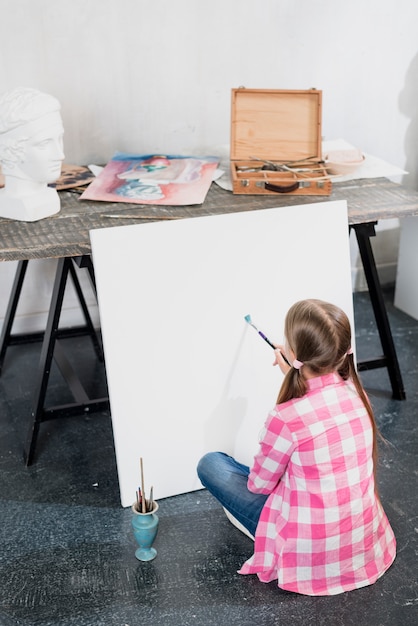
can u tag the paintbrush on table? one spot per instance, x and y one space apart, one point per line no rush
121 216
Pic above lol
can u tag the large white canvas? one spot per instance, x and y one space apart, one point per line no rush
406 295
186 373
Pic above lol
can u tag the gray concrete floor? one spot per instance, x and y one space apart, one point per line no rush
67 550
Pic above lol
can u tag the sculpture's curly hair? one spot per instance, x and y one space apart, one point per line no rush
18 107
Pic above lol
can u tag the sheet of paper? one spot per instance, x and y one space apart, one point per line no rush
169 180
372 167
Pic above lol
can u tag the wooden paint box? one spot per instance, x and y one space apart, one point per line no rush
279 129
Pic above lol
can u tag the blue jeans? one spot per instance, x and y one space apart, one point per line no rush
226 479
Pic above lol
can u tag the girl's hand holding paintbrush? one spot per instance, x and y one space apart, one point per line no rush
279 351
280 359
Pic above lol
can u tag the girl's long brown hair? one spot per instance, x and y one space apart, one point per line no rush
319 334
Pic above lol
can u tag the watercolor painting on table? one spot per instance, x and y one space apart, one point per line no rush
153 179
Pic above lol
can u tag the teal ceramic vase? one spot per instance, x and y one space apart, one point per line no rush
145 527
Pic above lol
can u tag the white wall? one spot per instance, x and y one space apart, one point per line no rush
135 75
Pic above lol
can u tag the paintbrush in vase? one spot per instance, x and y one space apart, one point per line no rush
138 504
143 503
151 500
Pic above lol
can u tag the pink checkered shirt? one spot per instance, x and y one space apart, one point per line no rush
322 530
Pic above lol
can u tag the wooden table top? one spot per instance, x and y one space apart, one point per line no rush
66 234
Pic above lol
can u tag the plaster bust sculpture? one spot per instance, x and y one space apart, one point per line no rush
31 154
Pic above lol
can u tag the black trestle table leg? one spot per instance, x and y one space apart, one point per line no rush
389 360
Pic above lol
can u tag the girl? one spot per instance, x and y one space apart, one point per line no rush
310 497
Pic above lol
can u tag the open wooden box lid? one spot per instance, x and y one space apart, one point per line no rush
275 124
